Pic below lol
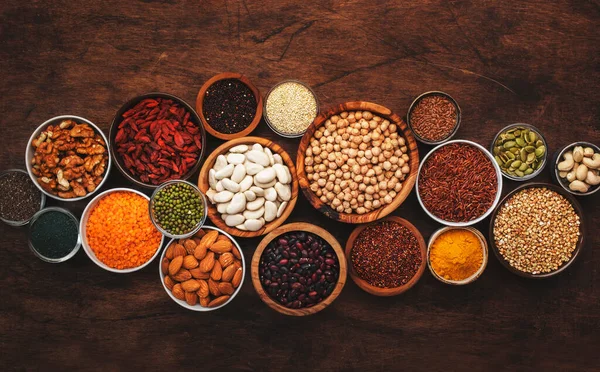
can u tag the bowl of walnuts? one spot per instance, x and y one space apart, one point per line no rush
357 162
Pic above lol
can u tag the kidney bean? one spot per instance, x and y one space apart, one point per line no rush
298 269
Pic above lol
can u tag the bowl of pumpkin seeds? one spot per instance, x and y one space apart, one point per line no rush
521 151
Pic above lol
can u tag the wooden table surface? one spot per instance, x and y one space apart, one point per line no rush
527 61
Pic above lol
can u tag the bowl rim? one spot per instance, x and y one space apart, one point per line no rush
44 125
315 230
484 249
498 191
200 105
68 214
212 212
83 228
197 307
557 160
157 225
434 93
385 292
271 126
407 184
42 198
545 157
128 105
580 242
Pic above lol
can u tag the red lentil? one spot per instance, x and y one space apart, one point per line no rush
433 118
458 183
386 255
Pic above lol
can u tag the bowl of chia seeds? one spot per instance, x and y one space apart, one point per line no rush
20 199
54 235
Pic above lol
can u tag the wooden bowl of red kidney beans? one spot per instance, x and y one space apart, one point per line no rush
157 137
298 269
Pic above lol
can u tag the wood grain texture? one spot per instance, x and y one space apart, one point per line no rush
386 292
316 230
200 105
407 184
530 61
203 185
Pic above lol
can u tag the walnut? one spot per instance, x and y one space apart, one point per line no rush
82 130
71 161
78 189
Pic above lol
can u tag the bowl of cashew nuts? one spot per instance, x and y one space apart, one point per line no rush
577 168
67 158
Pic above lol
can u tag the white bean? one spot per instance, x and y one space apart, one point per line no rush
225 172
239 149
212 180
254 214
255 204
246 183
234 220
222 208
264 185
270 211
237 204
258 157
257 147
253 168
250 196
257 190
269 155
230 185
281 209
241 227
284 191
236 158
223 196
253 224
220 163
238 173
282 175
219 187
265 176
277 158
271 194
210 193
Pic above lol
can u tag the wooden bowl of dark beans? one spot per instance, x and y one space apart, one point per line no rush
298 269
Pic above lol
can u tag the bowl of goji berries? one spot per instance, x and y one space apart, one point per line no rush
157 137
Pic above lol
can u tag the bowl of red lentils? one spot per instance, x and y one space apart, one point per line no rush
117 233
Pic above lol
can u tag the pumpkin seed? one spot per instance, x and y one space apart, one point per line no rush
519 151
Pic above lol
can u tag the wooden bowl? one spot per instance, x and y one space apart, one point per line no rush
200 104
578 247
377 291
484 251
407 184
316 230
215 216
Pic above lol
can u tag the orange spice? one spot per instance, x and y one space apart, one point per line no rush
120 232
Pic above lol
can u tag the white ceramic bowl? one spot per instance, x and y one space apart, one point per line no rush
30 151
197 307
498 177
83 233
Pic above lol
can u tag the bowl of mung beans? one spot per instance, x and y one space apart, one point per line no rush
537 231
178 209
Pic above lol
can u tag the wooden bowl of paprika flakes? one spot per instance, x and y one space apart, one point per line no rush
157 137
387 257
229 106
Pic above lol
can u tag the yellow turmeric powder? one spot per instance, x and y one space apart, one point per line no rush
456 254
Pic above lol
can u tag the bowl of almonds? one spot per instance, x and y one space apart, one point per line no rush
203 272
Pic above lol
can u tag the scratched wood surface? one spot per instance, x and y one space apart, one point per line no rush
527 61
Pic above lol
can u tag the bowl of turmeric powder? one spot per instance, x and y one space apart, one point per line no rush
457 255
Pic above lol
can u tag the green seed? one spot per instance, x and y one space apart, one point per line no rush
509 144
540 151
520 142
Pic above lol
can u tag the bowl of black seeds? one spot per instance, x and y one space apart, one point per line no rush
54 235
229 106
20 199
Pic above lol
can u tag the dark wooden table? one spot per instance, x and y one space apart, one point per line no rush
528 61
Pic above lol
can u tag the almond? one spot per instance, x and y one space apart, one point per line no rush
175 265
199 274
226 288
207 262
228 273
213 287
237 277
169 252
222 237
237 263
164 266
182 275
178 292
209 238
179 250
221 246
203 291
191 298
236 252
169 283
190 262
216 272
190 246
191 285
226 259
200 251
204 301
199 234
218 301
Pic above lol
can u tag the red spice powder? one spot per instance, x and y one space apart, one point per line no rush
458 183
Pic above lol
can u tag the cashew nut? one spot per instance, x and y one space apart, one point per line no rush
592 178
588 152
567 164
594 162
581 172
578 186
563 174
578 154
572 175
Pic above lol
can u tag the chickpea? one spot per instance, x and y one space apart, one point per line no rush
398 173
318 160
358 178
366 180
354 186
394 136
369 197
376 204
376 151
381 177
329 147
340 209
370 190
344 184
348 210
398 187
346 204
406 169
357 140
308 161
362 187
368 154
322 167
401 141
358 115
375 135
324 155
387 199
381 158
344 115
347 197
321 182
377 169
345 136
329 186
363 146
373 181
351 118
337 189
337 181
387 165
323 199
346 176
370 173
362 161
392 193
405 157
401 162
382 185
319 192
384 126
368 204
330 196
364 169
336 202
360 198
361 210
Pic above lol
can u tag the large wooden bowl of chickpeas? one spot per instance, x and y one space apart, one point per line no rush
357 162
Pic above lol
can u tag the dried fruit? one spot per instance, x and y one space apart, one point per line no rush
190 262
175 265
191 285
178 292
221 246
207 262
218 301
226 259
226 288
